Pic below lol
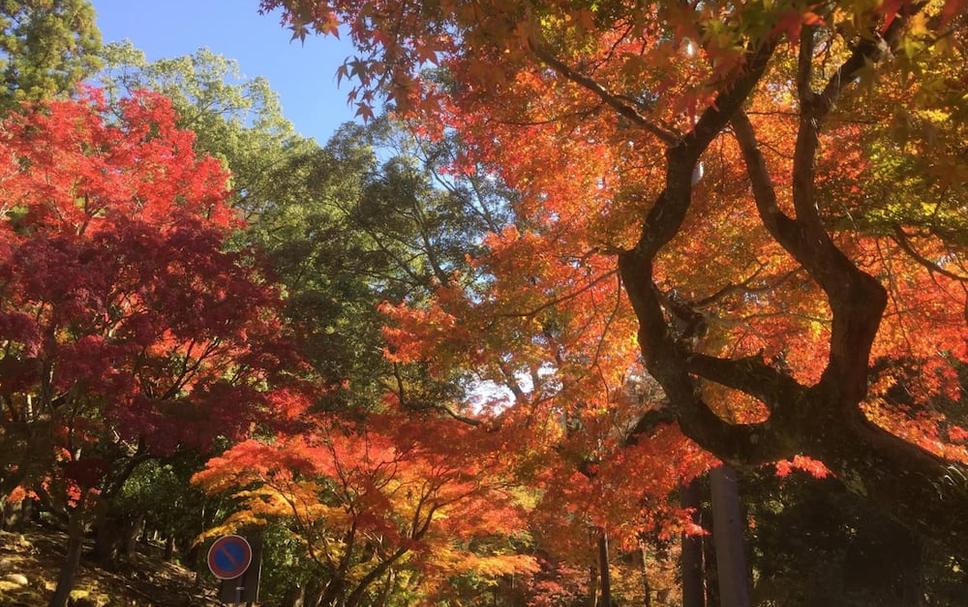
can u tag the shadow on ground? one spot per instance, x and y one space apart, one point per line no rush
29 563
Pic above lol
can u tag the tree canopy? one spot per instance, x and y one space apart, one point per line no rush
600 302
727 166
46 48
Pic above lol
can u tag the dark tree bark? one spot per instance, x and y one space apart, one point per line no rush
72 559
825 421
108 536
387 588
169 547
691 562
708 549
603 569
729 539
912 582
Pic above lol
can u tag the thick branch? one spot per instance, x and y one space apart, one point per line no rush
778 391
664 356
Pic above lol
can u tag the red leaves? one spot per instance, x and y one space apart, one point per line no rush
116 282
791 21
21 328
84 171
809 465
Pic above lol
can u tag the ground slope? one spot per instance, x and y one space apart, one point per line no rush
29 563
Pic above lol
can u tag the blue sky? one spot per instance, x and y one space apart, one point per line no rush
303 75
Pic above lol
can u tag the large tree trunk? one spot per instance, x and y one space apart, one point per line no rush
690 559
729 538
913 487
709 550
912 583
603 569
825 420
72 559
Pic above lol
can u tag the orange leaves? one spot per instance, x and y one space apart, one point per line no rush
415 331
487 566
809 465
420 486
627 492
577 127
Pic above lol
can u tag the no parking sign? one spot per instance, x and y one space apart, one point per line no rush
229 557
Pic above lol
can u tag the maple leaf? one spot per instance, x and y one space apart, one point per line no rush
118 281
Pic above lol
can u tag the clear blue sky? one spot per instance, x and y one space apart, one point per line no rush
303 75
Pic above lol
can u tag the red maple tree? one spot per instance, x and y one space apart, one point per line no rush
129 328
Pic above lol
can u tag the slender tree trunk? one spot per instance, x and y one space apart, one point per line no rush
729 539
690 561
169 547
592 586
387 587
192 562
108 536
132 530
72 559
603 569
646 587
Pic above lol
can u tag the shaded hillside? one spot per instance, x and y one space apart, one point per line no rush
29 562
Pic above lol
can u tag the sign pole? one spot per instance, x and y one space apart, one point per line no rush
238 564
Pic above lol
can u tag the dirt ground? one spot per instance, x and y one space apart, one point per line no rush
36 555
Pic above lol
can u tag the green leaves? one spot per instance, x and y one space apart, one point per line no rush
46 48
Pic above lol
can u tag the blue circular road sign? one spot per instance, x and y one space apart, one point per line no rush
229 557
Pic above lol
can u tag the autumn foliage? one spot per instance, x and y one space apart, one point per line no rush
768 196
398 492
129 328
722 236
